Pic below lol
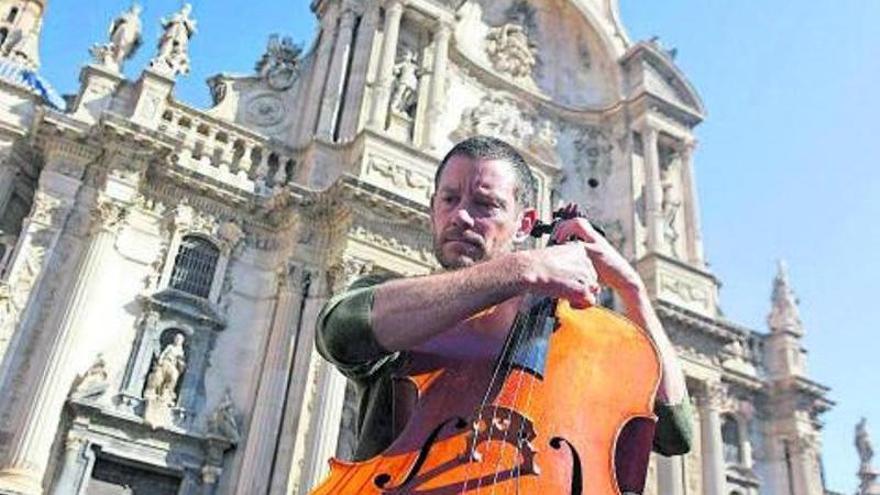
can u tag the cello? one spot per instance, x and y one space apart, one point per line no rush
565 408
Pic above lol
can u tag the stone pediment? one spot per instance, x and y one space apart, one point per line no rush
186 306
650 70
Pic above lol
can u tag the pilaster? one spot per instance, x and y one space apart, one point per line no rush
692 206
318 78
653 191
39 243
266 420
382 87
356 108
24 467
437 91
669 475
714 480
338 75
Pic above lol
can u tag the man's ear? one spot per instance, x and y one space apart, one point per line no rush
527 220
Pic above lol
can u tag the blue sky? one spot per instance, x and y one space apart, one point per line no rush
787 163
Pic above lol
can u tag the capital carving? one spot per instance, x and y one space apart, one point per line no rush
47 210
108 216
347 271
74 442
714 396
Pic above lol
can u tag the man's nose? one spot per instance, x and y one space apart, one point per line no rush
463 217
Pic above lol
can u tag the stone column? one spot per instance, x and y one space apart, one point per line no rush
31 441
293 450
438 83
692 206
669 475
330 108
7 181
653 189
76 463
714 479
382 86
312 106
326 418
256 468
355 113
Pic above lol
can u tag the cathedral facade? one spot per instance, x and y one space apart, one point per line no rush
162 266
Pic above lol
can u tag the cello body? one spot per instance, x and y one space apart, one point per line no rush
570 424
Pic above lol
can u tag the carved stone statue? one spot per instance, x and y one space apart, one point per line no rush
863 443
279 66
404 92
222 421
509 49
93 382
784 314
670 206
163 378
172 57
125 38
868 484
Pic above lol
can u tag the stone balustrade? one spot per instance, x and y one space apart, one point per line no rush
227 152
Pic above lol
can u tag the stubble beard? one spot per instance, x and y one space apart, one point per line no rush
459 261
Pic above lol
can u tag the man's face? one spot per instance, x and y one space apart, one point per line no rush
474 213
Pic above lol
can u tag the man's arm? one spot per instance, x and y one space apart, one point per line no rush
439 302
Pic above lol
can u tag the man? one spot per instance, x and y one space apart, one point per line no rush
482 209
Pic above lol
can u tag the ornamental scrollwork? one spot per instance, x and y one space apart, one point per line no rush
510 50
279 65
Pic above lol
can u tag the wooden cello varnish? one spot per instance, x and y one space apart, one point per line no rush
568 435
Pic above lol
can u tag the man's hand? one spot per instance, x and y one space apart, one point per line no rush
563 271
615 272
612 268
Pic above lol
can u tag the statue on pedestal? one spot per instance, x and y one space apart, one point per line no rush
159 394
404 92
125 38
670 206
173 54
868 484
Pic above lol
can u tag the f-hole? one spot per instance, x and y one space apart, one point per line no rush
383 479
577 468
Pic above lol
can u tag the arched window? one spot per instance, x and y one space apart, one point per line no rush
194 266
730 437
13 12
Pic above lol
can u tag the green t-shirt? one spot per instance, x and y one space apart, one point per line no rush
345 338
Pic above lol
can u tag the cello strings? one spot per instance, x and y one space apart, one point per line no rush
531 386
513 334
519 328
533 329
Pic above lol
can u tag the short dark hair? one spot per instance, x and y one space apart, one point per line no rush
490 148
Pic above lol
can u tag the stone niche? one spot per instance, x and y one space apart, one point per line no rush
408 91
546 47
164 382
